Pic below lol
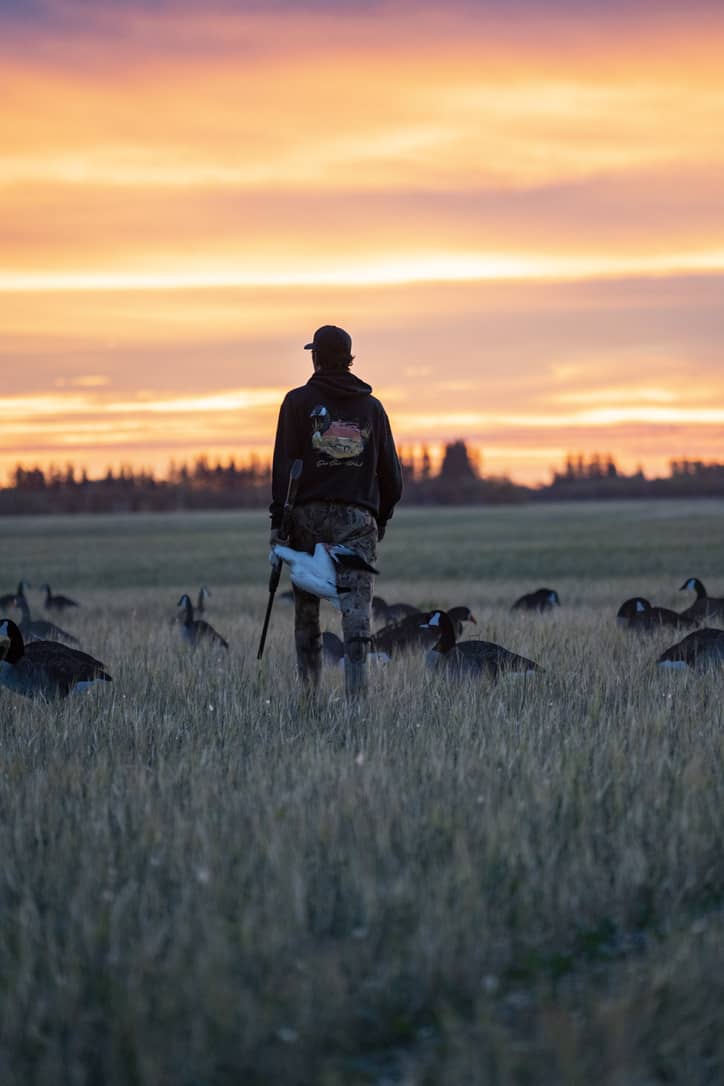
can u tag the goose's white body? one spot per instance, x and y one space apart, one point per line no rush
317 573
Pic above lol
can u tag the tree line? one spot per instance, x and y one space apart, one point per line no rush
459 480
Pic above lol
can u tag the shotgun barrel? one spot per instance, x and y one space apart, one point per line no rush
295 473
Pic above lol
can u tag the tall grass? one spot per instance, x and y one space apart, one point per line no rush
203 882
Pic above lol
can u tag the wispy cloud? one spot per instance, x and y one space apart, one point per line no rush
517 210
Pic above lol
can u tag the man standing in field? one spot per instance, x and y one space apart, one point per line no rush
350 484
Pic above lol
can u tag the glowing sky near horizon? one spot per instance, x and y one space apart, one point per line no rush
518 213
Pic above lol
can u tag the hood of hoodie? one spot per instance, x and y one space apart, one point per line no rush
339 385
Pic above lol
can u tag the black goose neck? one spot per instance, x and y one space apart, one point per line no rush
16 649
446 641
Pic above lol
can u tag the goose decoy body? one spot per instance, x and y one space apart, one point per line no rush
638 614
401 636
543 599
45 668
57 603
379 609
39 629
332 648
195 631
704 606
8 600
699 649
201 601
398 611
316 573
333 651
472 657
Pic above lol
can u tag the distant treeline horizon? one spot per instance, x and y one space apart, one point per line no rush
459 480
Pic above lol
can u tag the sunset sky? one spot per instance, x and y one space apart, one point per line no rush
515 208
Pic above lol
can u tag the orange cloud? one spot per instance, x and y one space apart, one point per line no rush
521 221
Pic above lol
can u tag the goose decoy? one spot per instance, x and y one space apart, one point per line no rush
704 606
637 614
397 637
45 668
57 603
332 649
379 609
197 630
397 611
201 601
317 573
543 599
699 649
460 615
8 600
472 657
38 629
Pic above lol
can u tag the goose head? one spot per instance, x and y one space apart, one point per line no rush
693 585
11 642
320 417
629 609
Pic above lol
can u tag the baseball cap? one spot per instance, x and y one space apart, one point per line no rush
331 340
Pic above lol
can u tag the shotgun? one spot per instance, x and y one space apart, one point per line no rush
276 571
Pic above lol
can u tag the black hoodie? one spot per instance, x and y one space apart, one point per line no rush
341 432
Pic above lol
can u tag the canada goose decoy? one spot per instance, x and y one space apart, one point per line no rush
333 651
38 629
398 611
379 609
637 614
196 630
332 648
45 668
317 573
201 601
401 636
57 603
543 599
704 606
472 657
699 649
8 600
458 616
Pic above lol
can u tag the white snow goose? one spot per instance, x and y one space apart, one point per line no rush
317 573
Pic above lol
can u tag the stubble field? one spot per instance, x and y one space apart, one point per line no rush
521 883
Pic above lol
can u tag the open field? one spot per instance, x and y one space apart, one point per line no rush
520 883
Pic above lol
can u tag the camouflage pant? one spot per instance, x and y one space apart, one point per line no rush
331 522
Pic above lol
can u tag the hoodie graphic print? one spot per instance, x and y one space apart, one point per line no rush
334 422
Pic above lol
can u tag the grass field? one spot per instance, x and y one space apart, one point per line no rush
464 884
